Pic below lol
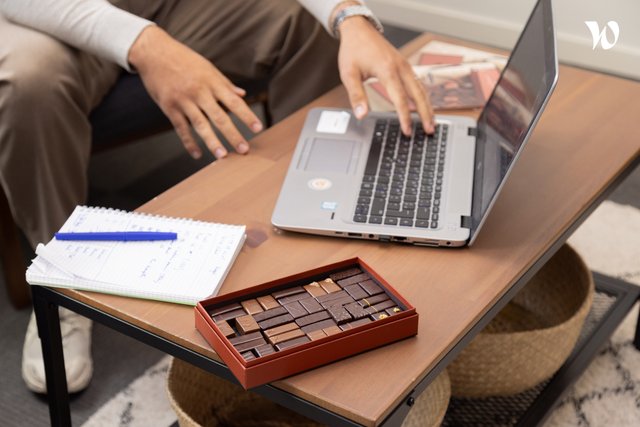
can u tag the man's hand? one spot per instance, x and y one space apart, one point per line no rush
189 90
365 53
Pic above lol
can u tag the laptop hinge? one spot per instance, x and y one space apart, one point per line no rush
472 132
466 221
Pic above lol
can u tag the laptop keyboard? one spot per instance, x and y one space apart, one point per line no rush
402 183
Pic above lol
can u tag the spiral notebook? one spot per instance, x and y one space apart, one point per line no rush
185 270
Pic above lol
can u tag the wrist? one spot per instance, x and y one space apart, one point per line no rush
350 11
143 45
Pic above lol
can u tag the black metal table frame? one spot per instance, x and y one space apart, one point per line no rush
47 300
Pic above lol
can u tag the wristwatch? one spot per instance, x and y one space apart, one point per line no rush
350 11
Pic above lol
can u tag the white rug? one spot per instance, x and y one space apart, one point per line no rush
607 394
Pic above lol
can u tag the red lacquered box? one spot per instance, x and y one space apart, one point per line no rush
382 330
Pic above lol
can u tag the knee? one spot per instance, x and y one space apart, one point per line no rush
33 78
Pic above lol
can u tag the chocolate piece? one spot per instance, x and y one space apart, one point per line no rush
286 336
381 306
286 292
268 302
252 306
296 341
315 289
312 318
311 305
295 309
318 325
226 308
356 291
264 350
329 286
379 316
248 355
249 345
229 315
244 338
346 273
225 328
367 302
292 298
316 335
268 314
354 279
331 296
275 321
280 329
247 324
338 302
355 324
356 310
339 314
332 330
393 311
371 287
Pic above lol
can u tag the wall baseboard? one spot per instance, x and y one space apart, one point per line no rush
419 15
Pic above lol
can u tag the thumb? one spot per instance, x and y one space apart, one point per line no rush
357 96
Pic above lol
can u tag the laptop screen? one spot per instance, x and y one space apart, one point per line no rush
513 109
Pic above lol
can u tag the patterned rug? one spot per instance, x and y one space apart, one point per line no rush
607 394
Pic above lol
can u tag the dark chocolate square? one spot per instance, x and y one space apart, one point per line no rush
355 323
244 338
268 314
339 314
367 302
295 309
354 279
275 321
249 345
228 315
356 291
225 328
311 305
356 310
331 296
295 297
291 343
345 273
327 323
226 308
371 287
312 318
264 350
338 302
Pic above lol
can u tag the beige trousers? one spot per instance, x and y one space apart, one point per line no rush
48 89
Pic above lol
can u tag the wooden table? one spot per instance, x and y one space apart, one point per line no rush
583 146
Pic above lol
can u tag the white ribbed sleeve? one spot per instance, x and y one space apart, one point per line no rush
94 26
321 10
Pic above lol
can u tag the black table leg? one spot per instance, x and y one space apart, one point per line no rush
48 322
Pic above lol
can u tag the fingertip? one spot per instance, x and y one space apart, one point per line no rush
195 153
220 153
256 126
239 91
243 148
360 111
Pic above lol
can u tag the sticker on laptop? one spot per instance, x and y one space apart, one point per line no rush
319 184
335 122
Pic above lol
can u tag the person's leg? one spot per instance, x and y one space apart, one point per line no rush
46 93
276 40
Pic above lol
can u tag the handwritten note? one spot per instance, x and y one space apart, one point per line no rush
184 270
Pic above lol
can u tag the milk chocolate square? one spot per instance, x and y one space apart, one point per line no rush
281 329
332 330
268 302
286 336
247 324
314 289
252 306
248 355
346 273
329 286
244 338
225 328
316 335
264 350
249 345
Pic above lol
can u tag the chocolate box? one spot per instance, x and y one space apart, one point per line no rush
286 326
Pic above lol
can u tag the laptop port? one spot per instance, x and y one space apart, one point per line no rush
399 239
354 234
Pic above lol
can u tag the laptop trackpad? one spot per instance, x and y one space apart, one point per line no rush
328 155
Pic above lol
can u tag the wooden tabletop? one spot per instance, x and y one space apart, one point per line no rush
585 139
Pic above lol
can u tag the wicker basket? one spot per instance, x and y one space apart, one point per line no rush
202 399
532 336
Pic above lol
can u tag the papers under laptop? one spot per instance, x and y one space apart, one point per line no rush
365 179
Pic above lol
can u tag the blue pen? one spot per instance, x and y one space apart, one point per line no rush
119 236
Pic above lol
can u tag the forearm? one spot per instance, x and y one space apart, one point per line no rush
94 26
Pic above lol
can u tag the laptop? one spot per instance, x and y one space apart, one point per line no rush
364 179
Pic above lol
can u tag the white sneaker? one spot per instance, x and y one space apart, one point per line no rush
76 345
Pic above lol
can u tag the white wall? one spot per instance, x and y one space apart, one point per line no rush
498 23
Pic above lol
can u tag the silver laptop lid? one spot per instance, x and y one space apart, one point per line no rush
513 109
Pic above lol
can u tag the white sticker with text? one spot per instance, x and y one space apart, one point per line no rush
333 122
